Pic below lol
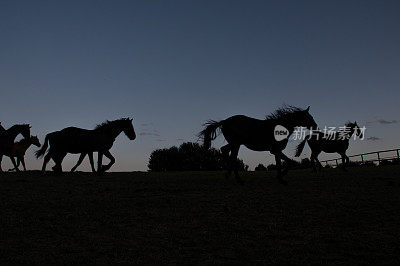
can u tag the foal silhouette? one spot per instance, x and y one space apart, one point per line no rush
78 140
7 138
257 135
19 150
336 144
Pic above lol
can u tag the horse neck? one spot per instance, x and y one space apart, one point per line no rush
288 124
352 131
113 132
13 131
24 144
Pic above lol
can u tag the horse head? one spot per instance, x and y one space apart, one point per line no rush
35 141
358 131
127 128
305 119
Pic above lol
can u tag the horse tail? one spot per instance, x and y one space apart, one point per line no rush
210 132
39 153
300 147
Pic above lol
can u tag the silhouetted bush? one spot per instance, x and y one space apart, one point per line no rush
368 163
260 167
189 157
271 167
394 161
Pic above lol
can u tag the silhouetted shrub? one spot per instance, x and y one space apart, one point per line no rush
368 163
271 167
189 157
260 167
396 161
385 162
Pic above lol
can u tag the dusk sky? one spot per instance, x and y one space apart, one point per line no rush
172 65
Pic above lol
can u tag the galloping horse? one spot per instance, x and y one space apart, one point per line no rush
19 150
77 140
318 144
257 135
7 138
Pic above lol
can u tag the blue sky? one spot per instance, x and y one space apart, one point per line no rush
172 65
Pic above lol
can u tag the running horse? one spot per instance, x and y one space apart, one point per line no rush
77 140
257 135
7 138
338 142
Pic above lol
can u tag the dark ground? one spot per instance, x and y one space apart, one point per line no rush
200 217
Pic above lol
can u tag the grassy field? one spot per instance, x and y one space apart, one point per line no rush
201 217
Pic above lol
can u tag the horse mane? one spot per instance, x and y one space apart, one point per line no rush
19 125
283 111
108 123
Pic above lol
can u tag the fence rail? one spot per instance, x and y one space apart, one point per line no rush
379 157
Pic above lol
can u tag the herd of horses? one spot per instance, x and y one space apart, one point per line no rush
255 134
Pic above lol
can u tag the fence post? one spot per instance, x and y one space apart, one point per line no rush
336 163
379 158
397 154
362 158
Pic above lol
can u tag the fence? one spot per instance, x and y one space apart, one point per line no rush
362 156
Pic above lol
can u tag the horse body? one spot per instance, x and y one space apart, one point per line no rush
84 141
77 140
257 135
318 144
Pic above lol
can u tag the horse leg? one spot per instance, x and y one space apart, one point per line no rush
287 160
314 154
22 160
90 154
112 161
14 169
14 163
319 164
58 160
312 159
225 154
233 162
99 162
47 158
81 157
279 169
343 161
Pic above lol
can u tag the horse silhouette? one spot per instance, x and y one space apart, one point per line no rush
7 138
78 140
19 150
334 144
257 135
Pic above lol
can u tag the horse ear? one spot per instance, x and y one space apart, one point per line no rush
308 108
